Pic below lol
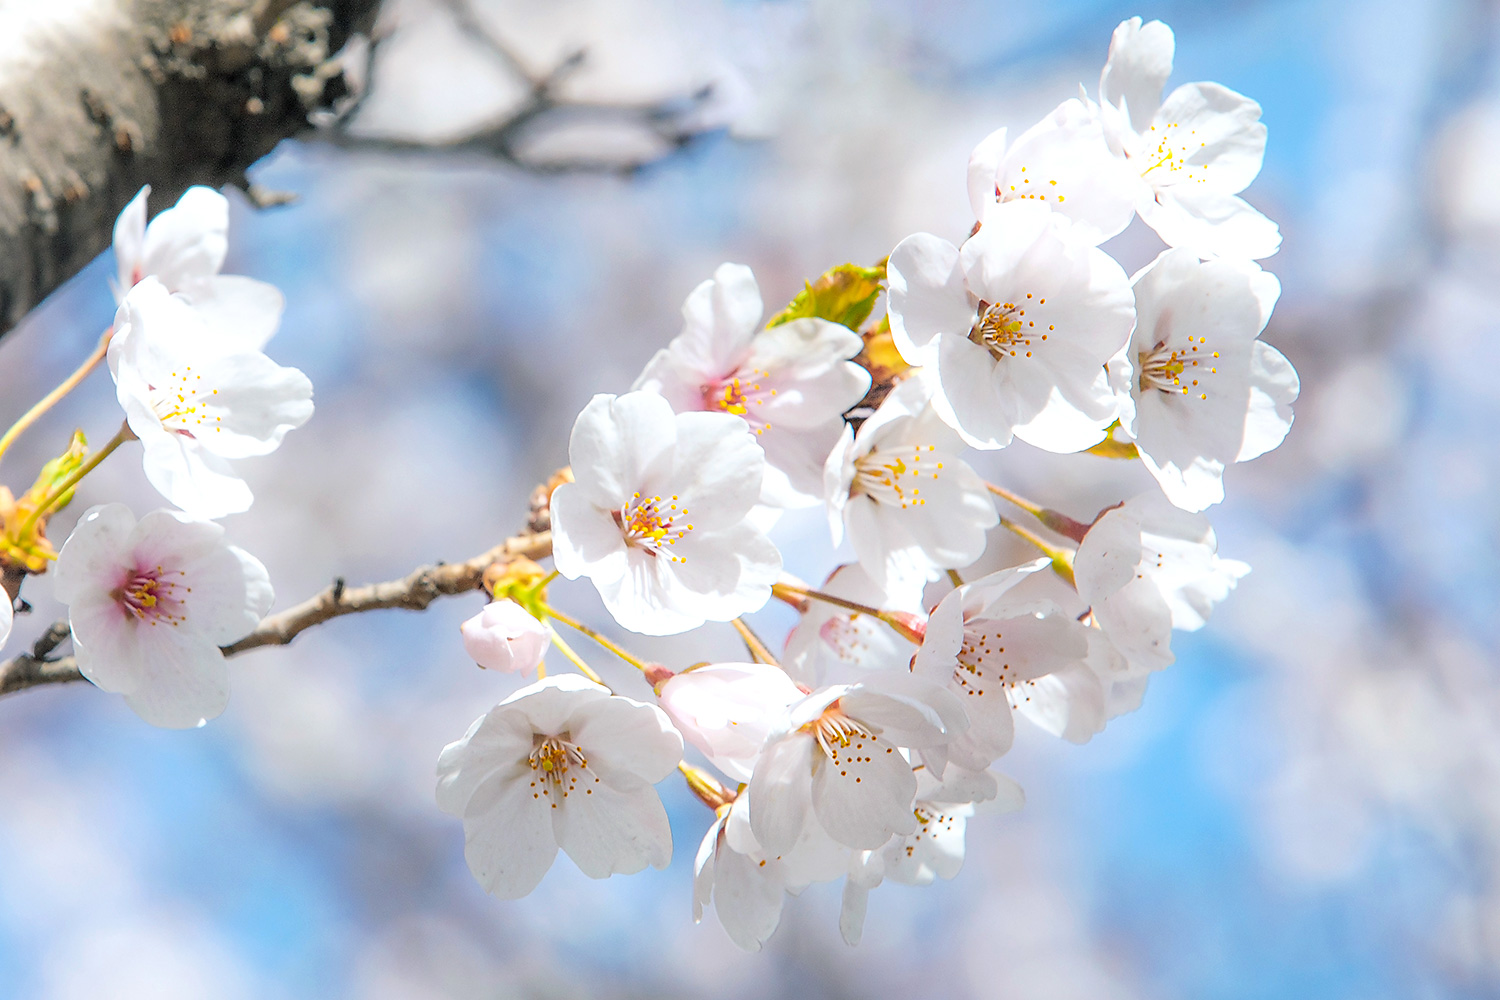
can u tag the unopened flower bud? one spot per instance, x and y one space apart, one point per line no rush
505 637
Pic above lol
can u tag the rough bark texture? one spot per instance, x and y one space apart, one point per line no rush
98 99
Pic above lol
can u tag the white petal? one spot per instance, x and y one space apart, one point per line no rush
1068 703
1216 136
984 168
863 794
189 240
610 831
585 540
182 680
129 239
241 311
781 792
1211 224
1140 60
508 838
91 559
621 445
719 318
927 296
621 736
716 469
852 912
1274 387
747 897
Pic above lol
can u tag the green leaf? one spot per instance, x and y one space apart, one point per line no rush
844 295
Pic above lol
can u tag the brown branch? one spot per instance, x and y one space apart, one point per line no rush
413 592
505 137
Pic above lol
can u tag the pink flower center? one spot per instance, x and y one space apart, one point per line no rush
551 758
150 595
1177 370
740 394
651 523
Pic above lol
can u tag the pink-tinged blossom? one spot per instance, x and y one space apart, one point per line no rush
1146 568
505 636
560 763
195 403
728 709
1200 391
992 648
1063 163
184 248
748 885
935 849
908 502
656 514
1019 324
837 756
829 636
790 383
151 601
1194 152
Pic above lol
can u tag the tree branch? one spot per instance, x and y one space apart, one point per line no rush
414 592
506 137
99 98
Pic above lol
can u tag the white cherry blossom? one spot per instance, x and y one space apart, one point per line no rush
907 500
1062 162
7 618
1019 323
791 383
936 848
1148 567
151 601
828 636
1203 392
991 647
505 636
837 756
194 404
184 248
560 763
728 709
656 515
747 885
1194 152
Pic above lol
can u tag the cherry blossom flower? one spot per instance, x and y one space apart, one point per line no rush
184 248
747 885
990 647
1148 567
936 848
791 383
1064 163
7 618
195 404
837 756
728 709
151 601
1195 151
656 516
505 636
908 501
1202 391
560 763
1019 323
828 635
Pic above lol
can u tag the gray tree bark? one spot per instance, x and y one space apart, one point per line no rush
99 98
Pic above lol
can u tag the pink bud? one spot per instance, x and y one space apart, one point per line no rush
505 637
727 709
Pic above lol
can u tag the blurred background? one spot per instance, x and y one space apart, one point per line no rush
1308 804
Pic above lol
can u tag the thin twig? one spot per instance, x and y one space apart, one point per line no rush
414 592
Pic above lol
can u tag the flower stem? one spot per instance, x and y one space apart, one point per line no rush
758 651
1062 559
904 625
634 661
567 651
48 401
705 786
123 435
1055 520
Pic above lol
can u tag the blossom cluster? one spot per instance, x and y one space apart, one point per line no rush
863 752
860 753
151 601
